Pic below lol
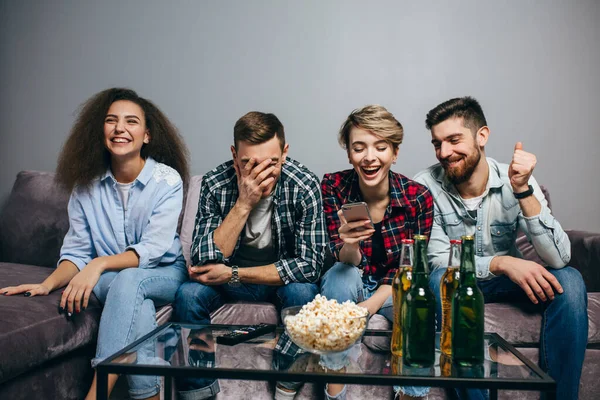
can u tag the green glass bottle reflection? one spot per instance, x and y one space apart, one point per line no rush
418 312
467 311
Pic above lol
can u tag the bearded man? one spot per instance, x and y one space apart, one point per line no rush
476 195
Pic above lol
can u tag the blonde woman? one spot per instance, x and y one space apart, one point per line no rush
367 254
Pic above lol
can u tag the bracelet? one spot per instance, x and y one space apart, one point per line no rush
524 194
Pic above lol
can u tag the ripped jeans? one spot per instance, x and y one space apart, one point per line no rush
344 282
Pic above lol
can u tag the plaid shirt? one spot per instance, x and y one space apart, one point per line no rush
410 212
298 225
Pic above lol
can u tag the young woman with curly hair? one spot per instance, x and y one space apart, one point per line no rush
125 165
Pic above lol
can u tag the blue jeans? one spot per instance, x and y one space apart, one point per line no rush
129 298
344 282
564 333
194 302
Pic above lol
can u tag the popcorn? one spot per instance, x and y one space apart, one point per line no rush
326 325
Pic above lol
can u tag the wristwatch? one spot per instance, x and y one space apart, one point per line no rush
524 194
235 277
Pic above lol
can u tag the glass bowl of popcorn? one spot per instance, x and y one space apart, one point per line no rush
325 326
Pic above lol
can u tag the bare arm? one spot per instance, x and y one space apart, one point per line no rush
127 259
534 279
60 277
77 294
352 233
252 179
530 206
67 274
375 302
220 274
545 233
226 235
264 275
350 254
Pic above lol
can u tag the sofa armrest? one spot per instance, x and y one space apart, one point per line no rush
585 256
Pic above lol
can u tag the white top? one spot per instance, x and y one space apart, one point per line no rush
473 204
123 189
258 232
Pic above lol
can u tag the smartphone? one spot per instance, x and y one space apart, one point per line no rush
356 212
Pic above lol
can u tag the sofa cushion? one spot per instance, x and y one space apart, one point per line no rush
245 313
34 221
526 320
585 256
189 215
31 329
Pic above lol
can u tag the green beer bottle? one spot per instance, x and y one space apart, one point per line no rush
418 312
467 311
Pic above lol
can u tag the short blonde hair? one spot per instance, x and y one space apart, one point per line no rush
375 119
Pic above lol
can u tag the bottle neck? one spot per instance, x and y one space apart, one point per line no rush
467 263
406 255
454 259
420 269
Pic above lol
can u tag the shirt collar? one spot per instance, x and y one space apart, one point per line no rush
143 177
397 197
493 182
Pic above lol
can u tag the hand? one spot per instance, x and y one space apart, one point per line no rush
252 180
77 294
210 274
530 276
520 168
370 305
36 289
353 232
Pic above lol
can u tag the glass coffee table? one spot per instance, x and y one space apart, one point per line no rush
192 351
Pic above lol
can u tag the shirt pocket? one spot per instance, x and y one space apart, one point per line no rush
453 226
503 236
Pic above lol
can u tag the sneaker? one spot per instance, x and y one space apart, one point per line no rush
284 394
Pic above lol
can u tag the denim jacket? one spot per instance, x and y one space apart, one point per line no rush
101 225
499 218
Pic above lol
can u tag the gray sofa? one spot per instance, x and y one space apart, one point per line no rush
46 356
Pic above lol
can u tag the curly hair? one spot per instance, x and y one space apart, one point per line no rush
375 119
84 156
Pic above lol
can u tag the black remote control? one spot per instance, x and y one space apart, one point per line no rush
246 333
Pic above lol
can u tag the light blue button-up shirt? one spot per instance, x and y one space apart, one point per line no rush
101 225
499 217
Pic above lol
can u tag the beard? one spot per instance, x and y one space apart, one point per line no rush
463 172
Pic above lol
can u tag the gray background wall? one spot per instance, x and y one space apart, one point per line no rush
532 64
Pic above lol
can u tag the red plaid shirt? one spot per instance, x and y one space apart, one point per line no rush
410 212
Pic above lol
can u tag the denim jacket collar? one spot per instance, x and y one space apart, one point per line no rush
494 181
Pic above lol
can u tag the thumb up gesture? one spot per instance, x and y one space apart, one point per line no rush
520 168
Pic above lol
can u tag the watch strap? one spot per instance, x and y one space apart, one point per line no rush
235 277
524 194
